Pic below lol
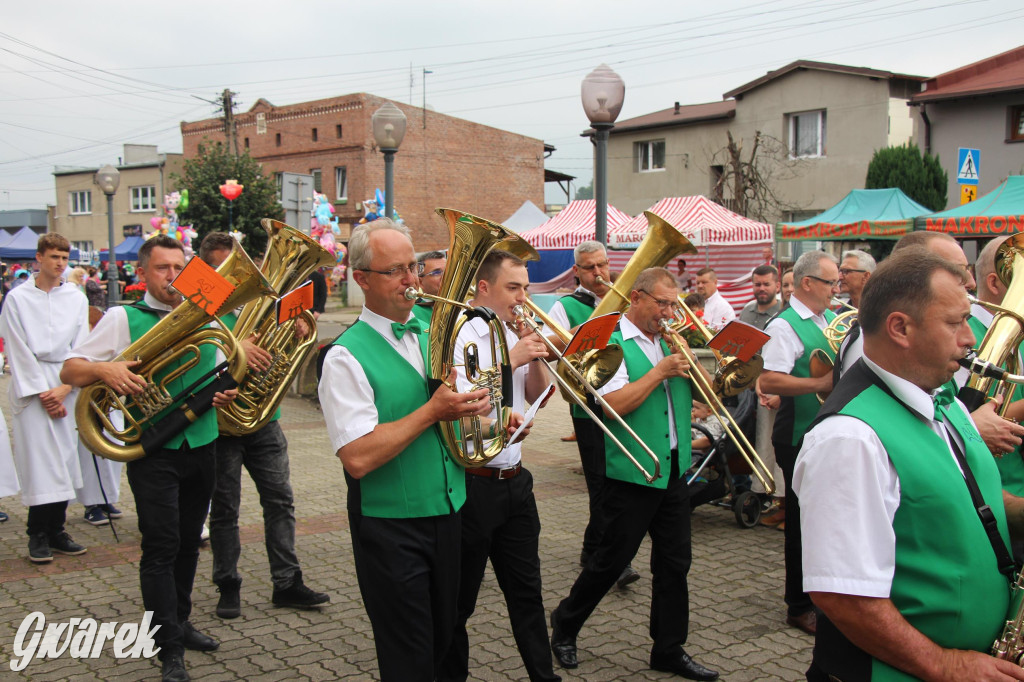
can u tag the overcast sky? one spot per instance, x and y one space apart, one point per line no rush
75 85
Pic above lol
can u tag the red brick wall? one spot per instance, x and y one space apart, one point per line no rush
452 162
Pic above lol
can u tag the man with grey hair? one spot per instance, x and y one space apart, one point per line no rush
854 271
591 269
795 333
404 488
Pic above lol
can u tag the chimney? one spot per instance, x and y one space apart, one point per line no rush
677 109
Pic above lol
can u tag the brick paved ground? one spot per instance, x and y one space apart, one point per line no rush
736 620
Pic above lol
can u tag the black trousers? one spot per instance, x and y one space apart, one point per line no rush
408 571
798 601
172 490
633 511
590 442
500 523
47 518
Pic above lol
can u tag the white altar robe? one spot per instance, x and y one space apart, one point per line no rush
8 475
39 330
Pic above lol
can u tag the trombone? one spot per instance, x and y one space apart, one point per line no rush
577 395
707 393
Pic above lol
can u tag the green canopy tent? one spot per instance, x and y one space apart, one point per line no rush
861 214
999 212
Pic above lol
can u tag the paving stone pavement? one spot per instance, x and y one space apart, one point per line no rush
736 608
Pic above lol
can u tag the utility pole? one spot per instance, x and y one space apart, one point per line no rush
230 133
425 72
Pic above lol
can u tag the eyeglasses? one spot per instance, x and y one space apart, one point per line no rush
657 301
399 270
846 271
832 283
588 268
433 273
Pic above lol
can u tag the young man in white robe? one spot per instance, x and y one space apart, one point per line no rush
41 322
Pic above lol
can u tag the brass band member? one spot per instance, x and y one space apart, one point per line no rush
854 271
913 587
172 487
591 268
652 393
433 263
500 520
404 490
264 454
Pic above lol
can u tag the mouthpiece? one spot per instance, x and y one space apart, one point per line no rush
976 365
412 293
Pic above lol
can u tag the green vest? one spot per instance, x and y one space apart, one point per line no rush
947 583
805 407
423 480
204 429
1011 465
578 313
650 422
230 320
423 313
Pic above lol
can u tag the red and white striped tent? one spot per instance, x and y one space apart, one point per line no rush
728 242
574 224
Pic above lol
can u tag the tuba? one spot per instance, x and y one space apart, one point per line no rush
154 416
472 238
289 258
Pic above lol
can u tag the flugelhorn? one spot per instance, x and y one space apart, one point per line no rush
166 352
289 258
708 397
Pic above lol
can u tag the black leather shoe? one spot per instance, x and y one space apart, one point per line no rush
628 576
230 603
63 544
562 646
195 640
173 669
39 549
806 621
681 664
298 596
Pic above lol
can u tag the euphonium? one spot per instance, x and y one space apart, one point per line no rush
174 340
289 258
472 238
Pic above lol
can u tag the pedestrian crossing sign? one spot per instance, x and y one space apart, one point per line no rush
968 166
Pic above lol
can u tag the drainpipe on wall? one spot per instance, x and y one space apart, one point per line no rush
927 129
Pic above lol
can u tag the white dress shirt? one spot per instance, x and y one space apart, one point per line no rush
477 331
849 493
717 311
654 353
111 335
345 394
784 347
559 316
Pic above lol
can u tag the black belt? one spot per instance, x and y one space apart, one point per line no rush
499 474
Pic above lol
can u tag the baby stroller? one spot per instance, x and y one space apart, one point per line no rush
719 476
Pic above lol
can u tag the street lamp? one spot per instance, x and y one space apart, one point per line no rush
388 125
602 93
108 178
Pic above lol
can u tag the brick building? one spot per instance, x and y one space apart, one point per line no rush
443 160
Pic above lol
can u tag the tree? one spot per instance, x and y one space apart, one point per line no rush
208 211
586 191
919 176
748 185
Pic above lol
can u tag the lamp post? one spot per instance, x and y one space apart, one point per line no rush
231 190
602 93
108 178
388 125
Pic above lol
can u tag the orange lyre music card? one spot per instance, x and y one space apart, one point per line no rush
593 334
294 303
200 284
739 339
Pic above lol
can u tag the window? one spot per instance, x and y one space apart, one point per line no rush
337 130
807 134
1016 123
84 247
277 139
317 180
143 198
261 124
315 135
247 143
341 181
279 181
80 202
650 156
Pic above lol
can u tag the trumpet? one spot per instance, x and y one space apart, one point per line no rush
709 397
578 397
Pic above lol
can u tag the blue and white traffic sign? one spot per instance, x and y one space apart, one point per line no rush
968 165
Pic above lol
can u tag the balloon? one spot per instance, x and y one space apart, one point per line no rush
156 222
183 205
